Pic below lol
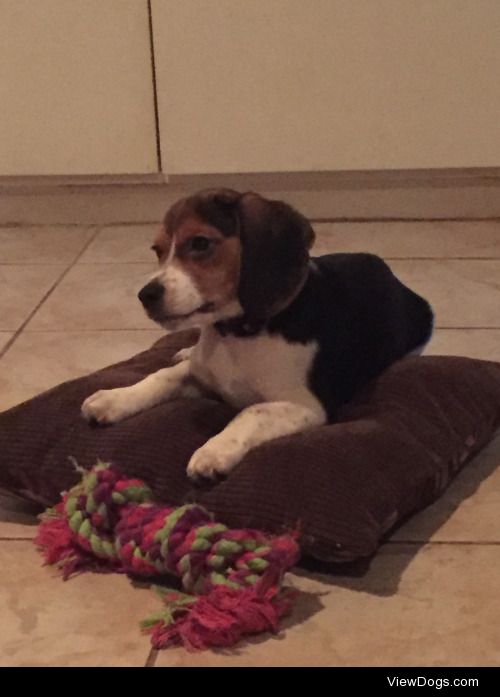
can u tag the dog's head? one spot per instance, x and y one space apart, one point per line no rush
224 254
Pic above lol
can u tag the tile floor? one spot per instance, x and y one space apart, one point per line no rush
67 306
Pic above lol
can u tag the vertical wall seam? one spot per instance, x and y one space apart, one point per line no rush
155 93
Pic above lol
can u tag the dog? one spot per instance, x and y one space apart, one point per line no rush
284 337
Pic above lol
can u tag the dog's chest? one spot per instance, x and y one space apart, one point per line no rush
247 370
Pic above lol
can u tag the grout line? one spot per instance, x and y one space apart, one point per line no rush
146 261
448 258
151 659
98 329
414 543
85 329
444 258
100 224
17 224
396 219
153 328
472 543
155 221
50 263
406 258
30 316
155 90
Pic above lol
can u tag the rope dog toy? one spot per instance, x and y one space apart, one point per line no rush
231 579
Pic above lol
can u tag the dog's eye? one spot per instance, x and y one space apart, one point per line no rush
200 244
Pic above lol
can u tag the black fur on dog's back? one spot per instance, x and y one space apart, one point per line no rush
361 317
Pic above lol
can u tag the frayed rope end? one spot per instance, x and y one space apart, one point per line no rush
59 547
218 619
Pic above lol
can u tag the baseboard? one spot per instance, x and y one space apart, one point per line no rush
40 184
472 193
348 179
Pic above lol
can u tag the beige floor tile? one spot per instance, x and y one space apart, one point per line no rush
54 357
17 518
393 240
43 245
404 239
475 343
122 243
463 293
91 620
100 296
4 337
468 510
22 288
430 606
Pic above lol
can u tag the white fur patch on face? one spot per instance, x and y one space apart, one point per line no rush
184 306
181 294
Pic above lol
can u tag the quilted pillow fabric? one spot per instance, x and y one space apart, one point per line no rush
392 450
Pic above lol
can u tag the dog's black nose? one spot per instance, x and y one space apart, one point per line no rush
151 293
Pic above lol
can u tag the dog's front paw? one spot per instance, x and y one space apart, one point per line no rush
183 355
108 406
217 456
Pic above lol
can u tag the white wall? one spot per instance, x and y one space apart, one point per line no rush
75 87
249 85
273 85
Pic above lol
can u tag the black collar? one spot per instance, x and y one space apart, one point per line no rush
239 326
244 326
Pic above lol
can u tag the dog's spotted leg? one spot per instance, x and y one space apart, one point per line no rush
110 406
256 424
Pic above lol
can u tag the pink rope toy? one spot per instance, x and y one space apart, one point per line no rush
231 578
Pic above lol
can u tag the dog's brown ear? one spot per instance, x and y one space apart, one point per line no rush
275 242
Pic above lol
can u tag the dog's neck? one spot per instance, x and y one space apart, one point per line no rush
239 326
242 325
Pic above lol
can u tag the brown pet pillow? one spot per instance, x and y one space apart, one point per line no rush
392 451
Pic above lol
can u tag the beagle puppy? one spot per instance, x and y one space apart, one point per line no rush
284 337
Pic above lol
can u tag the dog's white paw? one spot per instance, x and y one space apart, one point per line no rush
109 406
217 456
183 355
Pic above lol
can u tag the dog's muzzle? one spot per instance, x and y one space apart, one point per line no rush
151 295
